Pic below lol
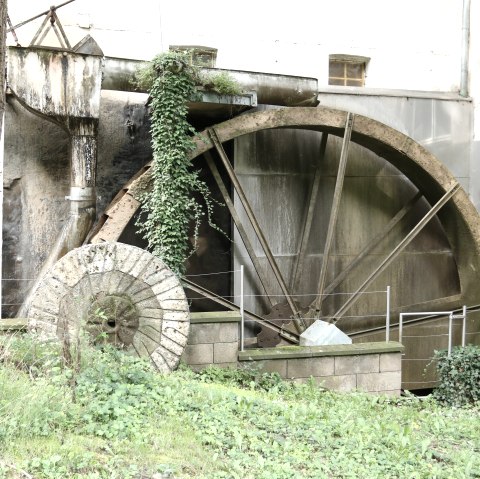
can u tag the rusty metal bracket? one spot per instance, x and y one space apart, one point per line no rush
56 26
12 30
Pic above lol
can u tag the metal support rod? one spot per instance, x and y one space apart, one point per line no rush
464 325
242 312
312 201
46 12
337 195
396 251
465 48
254 222
238 223
42 26
58 24
369 247
290 336
387 317
419 313
11 29
450 327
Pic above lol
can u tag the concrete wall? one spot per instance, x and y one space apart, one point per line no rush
372 367
213 340
37 178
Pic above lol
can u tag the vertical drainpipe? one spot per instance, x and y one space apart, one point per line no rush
83 165
2 152
465 48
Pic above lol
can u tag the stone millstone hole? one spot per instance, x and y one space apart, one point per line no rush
112 319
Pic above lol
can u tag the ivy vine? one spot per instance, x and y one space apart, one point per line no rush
166 210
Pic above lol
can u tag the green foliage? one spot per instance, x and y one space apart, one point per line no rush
459 376
128 421
167 210
222 83
245 377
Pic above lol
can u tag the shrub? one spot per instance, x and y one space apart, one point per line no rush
459 376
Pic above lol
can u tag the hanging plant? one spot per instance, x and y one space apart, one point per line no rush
168 209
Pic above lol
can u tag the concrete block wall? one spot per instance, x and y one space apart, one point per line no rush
213 340
369 367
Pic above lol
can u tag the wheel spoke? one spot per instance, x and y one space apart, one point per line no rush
337 195
312 201
396 251
239 225
287 335
373 243
254 222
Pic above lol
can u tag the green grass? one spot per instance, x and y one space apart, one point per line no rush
126 421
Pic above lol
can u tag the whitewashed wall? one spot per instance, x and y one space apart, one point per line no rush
412 44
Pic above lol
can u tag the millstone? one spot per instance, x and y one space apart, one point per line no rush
119 294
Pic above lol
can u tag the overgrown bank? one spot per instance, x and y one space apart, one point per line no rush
127 421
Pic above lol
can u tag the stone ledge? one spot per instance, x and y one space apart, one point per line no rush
291 352
13 324
215 317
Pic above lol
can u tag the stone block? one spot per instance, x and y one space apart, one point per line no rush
198 354
390 362
225 352
273 366
344 383
304 368
368 363
213 333
379 382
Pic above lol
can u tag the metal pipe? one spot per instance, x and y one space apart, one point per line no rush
387 319
2 153
419 313
464 326
271 89
450 326
465 48
242 313
46 12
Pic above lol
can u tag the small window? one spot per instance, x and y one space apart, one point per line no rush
347 70
199 56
